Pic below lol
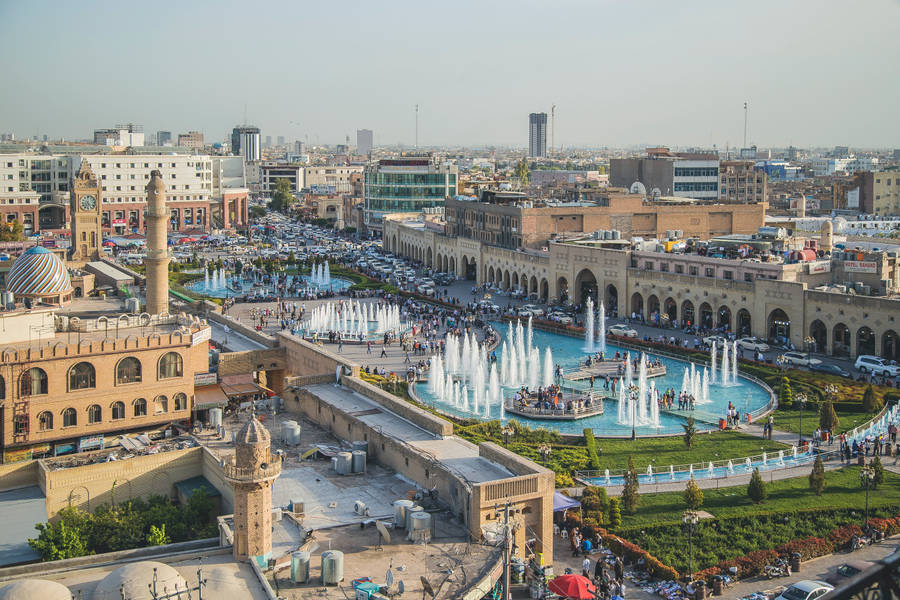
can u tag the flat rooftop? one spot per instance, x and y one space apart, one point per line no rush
21 508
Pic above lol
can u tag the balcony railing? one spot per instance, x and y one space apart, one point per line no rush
881 582
268 471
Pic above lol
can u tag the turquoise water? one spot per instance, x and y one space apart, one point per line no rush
225 288
568 352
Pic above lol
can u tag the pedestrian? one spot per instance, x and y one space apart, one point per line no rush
340 345
383 352
586 567
369 347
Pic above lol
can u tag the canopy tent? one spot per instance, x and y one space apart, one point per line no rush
561 502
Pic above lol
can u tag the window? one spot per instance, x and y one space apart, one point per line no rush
170 365
45 421
679 268
33 382
128 370
710 272
2 388
20 425
118 410
70 417
82 377
693 270
140 407
748 276
728 274
95 414
180 402
160 405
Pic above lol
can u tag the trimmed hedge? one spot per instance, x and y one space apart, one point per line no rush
591 443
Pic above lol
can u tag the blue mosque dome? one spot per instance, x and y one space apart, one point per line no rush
39 274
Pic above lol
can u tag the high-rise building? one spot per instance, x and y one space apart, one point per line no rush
163 138
191 139
121 135
268 141
740 182
281 140
245 142
364 141
537 135
665 173
406 184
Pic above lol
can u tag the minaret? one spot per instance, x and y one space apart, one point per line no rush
157 259
251 473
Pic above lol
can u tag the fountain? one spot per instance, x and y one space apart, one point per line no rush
642 392
794 450
712 471
712 362
734 362
781 457
764 459
725 364
548 367
589 325
606 474
691 471
672 472
730 468
747 464
601 320
650 473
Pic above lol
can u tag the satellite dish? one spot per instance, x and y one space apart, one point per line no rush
382 530
427 586
638 188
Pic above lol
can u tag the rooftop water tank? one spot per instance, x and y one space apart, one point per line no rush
332 567
400 508
409 514
359 461
360 445
420 527
300 567
342 463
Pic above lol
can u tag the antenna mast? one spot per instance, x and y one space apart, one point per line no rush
417 126
745 123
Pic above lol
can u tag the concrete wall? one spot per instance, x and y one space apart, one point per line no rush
410 412
243 329
86 487
305 358
21 474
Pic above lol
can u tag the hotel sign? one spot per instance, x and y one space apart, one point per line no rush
860 266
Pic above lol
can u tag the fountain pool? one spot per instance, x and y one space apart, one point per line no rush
568 352
221 286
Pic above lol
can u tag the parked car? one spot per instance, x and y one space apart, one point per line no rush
535 310
830 369
806 589
866 363
622 331
720 340
754 344
524 312
847 570
800 359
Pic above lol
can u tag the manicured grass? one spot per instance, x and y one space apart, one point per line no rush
789 419
842 490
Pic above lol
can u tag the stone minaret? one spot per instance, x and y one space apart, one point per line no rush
157 260
252 473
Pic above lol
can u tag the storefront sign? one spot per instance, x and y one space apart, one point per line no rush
60 449
90 442
204 335
823 266
205 378
19 454
859 266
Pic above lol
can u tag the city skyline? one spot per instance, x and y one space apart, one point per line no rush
620 75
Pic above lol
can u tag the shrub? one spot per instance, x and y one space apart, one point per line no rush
817 476
615 513
693 495
630 495
828 419
785 395
840 537
690 432
878 470
757 488
591 444
564 480
871 402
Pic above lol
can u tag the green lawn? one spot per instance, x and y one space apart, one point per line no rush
842 490
789 419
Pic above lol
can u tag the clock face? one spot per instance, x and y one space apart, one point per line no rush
88 203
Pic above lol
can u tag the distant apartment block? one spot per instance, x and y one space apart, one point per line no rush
664 173
537 135
191 139
121 135
364 141
740 182
245 142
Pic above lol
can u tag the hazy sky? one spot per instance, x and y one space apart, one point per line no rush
620 72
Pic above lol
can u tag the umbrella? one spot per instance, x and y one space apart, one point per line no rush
187 240
573 586
109 243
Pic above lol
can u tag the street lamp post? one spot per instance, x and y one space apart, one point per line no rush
690 520
801 399
633 394
867 476
809 341
506 431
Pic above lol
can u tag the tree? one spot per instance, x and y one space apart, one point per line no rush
878 472
757 488
693 495
786 396
157 536
238 267
12 232
828 419
615 513
871 402
817 476
690 431
523 173
630 495
66 538
282 198
257 212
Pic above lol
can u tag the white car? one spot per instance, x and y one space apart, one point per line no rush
720 340
866 363
751 343
805 590
622 331
534 310
800 359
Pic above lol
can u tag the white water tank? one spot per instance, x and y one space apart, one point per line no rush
420 527
359 461
332 567
409 514
342 463
215 417
400 508
300 567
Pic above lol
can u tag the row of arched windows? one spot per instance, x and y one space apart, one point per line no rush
83 376
94 412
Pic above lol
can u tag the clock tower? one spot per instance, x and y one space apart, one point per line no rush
85 210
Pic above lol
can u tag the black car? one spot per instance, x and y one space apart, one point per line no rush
830 369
